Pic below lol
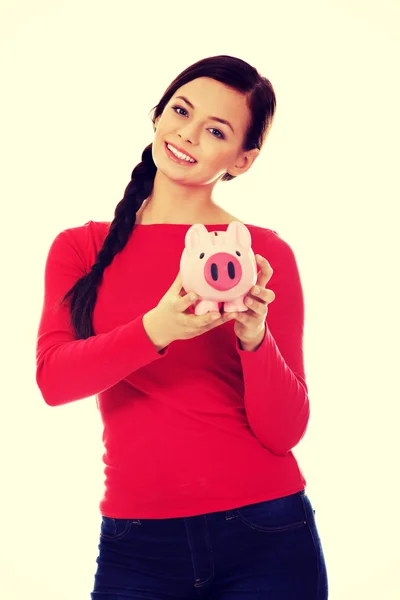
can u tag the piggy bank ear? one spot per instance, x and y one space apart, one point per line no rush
238 234
195 237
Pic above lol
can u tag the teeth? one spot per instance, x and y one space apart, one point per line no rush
179 154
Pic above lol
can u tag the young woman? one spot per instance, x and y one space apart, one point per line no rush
204 498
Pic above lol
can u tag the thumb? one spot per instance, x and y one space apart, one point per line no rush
177 284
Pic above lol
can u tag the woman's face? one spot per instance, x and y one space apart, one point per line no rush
216 146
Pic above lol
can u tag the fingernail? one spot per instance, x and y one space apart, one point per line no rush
192 296
256 290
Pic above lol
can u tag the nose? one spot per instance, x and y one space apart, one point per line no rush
222 271
189 133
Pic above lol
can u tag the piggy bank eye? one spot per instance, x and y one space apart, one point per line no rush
238 253
201 255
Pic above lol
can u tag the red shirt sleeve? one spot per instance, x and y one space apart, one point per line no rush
276 395
68 369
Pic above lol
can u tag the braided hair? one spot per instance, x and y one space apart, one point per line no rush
231 71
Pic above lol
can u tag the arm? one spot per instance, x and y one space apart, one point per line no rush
276 395
68 369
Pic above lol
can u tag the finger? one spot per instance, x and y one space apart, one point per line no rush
177 287
263 294
211 319
177 284
256 308
186 301
206 321
214 318
270 296
266 272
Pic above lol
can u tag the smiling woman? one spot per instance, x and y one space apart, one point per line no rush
198 428
220 153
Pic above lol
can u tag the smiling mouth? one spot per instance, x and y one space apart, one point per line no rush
177 157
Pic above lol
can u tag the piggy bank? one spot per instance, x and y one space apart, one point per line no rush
219 266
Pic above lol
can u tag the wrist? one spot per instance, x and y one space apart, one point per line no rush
152 326
252 345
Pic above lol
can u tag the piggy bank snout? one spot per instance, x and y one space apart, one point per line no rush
222 271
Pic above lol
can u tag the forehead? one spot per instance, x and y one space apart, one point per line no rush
214 98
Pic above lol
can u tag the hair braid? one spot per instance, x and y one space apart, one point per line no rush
84 292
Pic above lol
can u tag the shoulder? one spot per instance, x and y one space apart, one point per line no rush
92 230
270 244
263 235
79 244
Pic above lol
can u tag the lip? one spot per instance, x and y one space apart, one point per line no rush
182 150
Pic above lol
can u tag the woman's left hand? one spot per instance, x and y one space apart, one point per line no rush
250 325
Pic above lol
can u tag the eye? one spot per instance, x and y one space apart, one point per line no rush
220 136
178 108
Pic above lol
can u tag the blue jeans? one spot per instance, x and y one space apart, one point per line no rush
265 551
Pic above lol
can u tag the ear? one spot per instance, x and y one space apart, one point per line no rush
243 162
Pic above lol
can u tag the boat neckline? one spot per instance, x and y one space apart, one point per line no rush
188 224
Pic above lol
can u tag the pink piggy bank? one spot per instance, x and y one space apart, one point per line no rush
219 266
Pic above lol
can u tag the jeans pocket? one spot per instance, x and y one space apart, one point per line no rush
278 515
113 529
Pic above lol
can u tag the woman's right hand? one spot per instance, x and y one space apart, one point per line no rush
170 320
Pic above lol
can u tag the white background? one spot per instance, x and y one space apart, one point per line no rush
78 81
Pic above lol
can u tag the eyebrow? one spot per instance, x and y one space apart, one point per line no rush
212 118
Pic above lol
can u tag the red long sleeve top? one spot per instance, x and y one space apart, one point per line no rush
201 426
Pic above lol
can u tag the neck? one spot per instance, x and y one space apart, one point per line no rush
170 202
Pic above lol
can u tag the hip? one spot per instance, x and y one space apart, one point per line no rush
274 544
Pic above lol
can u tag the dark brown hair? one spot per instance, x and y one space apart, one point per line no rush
230 71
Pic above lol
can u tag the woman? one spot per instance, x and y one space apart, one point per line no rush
203 496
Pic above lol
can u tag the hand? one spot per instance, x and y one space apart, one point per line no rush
250 325
170 320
